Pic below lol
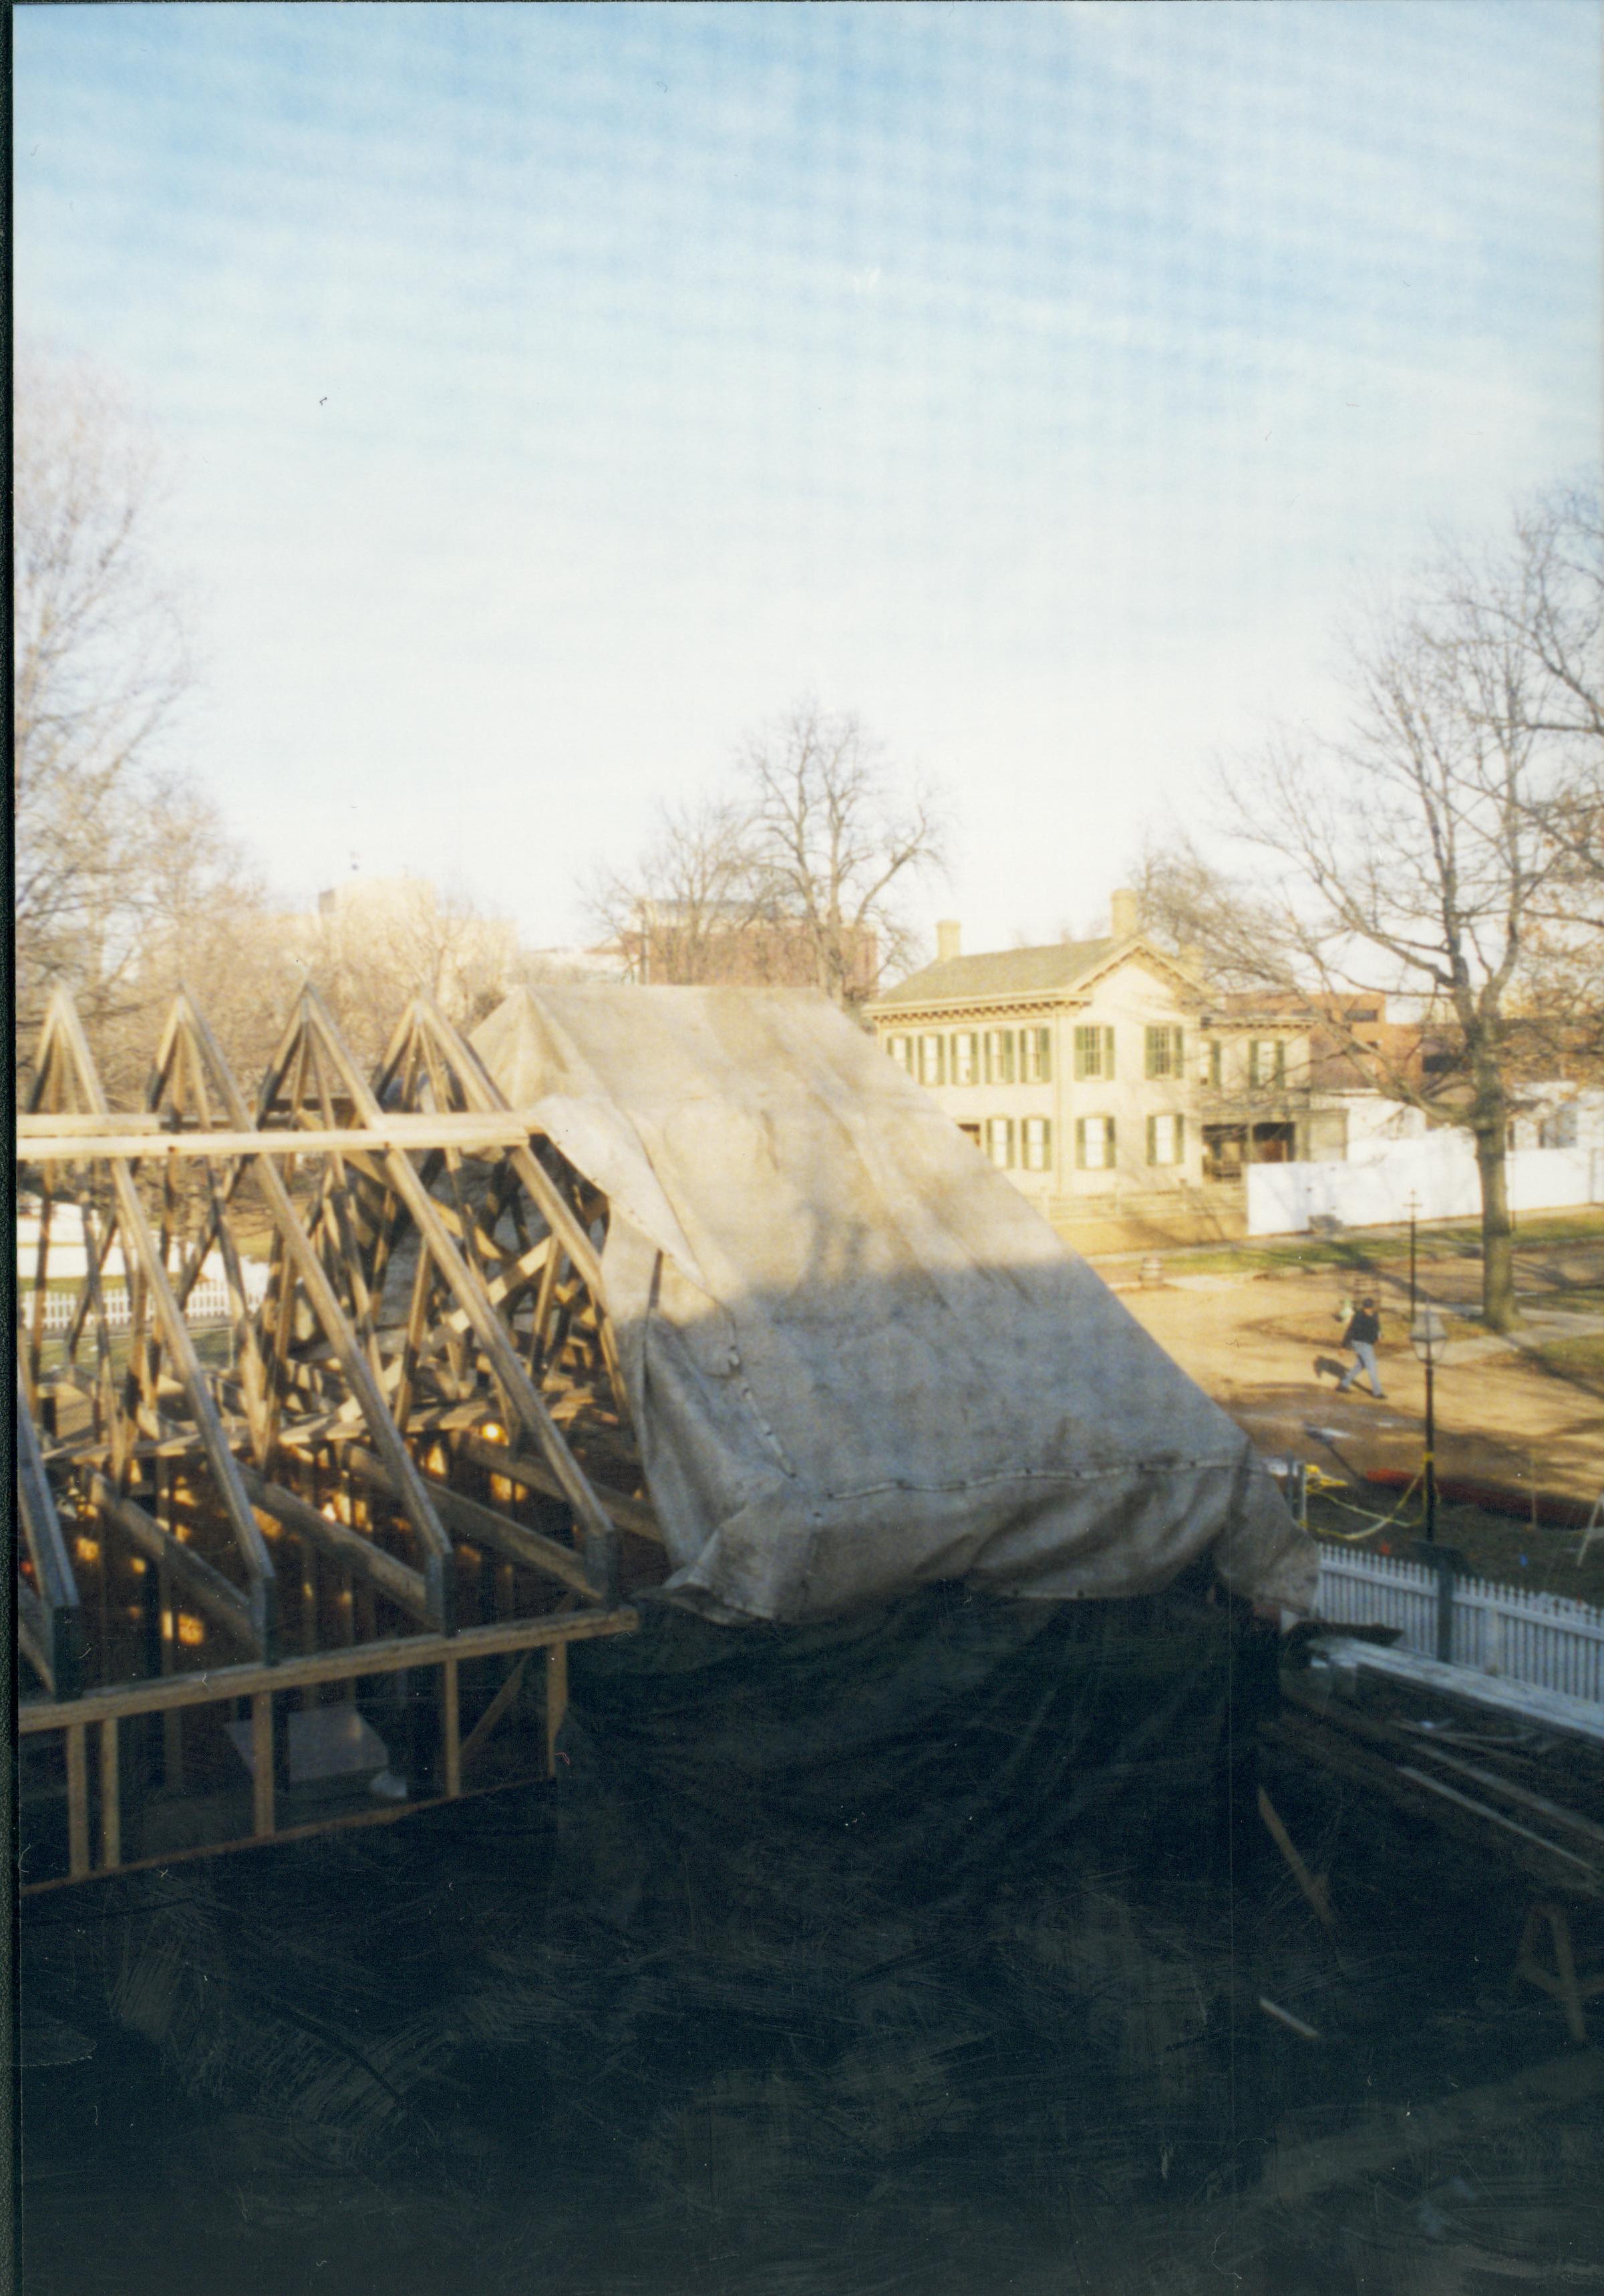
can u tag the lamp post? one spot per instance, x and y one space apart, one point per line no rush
1415 1206
1426 1336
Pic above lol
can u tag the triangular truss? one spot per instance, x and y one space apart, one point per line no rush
429 1362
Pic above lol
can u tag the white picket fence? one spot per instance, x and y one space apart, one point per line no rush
1543 1639
207 1302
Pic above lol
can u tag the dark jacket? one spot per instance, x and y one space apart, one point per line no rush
1366 1325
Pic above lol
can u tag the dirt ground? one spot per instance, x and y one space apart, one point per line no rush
1532 1413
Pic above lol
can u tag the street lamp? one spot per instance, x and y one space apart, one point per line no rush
1426 1337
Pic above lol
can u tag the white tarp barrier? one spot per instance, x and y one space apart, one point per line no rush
857 1358
1439 1172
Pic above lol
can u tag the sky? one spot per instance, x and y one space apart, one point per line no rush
555 395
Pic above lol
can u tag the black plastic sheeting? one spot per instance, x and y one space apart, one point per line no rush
920 1953
925 1755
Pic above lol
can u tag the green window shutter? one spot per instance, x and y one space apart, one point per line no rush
1253 1063
1108 1052
1047 1142
1156 1049
1085 1051
1108 1141
1042 1062
1152 1139
1180 1138
1214 1063
1177 1051
1281 1060
1080 1142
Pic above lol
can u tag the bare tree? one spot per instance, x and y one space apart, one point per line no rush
835 842
373 948
100 666
126 875
791 881
683 914
1431 848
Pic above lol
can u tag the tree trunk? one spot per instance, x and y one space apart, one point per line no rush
1498 1236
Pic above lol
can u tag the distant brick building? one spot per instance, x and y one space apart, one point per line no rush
672 945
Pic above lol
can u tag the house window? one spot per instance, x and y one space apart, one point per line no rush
1559 1129
1036 1140
966 1057
1267 1061
1215 1063
932 1059
999 1045
1166 1139
900 1049
1000 1141
1166 1050
1093 1051
1036 1055
1094 1143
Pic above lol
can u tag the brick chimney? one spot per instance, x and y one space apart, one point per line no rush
1125 914
949 936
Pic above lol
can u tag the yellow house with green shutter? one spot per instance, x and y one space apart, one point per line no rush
1079 1070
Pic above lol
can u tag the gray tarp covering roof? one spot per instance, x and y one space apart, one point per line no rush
858 1360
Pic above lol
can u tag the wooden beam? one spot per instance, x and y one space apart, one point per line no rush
349 1548
522 1397
348 1661
216 1595
78 1801
483 1524
261 1763
635 1515
352 1356
451 1727
110 1786
82 1140
556 1702
55 1619
493 1713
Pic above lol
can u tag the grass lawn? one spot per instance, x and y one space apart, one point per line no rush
1364 1249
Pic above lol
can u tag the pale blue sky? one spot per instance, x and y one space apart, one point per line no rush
558 391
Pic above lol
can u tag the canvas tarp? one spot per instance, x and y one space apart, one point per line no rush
858 1361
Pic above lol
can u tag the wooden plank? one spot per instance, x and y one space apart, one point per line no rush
391 1657
34 1637
1313 1887
522 1398
47 1140
493 1713
110 1786
385 1814
220 1600
474 1520
451 1727
556 1702
348 1548
353 1358
261 1760
78 1801
631 1515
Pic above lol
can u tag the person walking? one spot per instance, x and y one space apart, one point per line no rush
1363 1330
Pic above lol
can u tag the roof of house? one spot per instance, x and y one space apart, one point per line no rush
1000 972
